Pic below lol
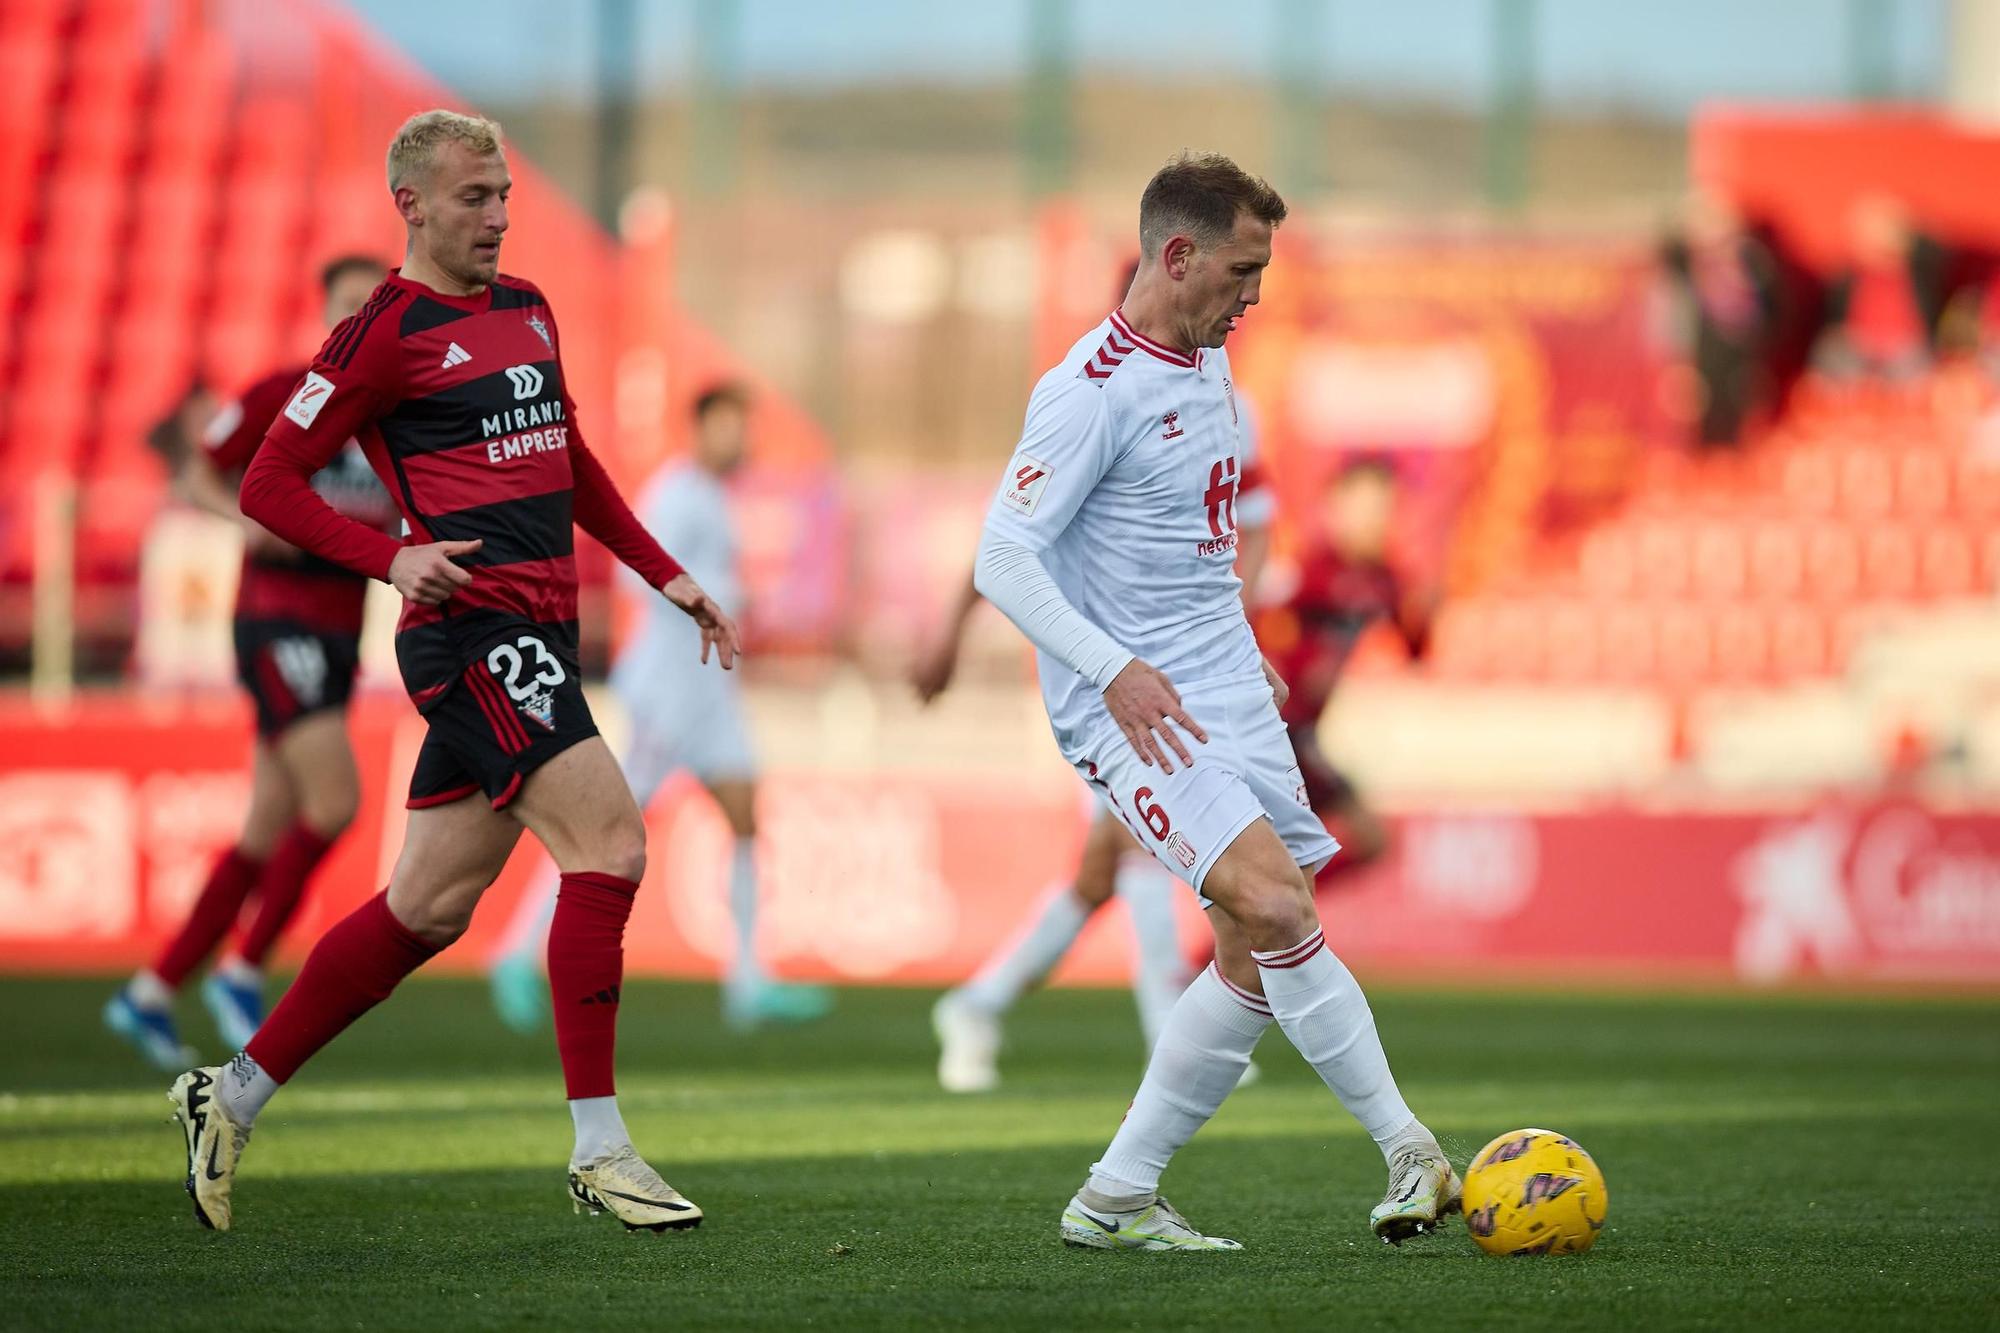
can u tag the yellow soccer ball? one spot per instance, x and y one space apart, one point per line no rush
1534 1192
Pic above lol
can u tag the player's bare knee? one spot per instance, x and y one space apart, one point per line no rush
329 813
622 850
1275 911
437 920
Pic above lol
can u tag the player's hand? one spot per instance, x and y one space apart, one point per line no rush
1279 690
1144 702
933 672
426 575
718 631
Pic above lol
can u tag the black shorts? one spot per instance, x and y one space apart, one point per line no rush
291 670
1327 788
508 713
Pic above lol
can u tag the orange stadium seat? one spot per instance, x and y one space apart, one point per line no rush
1776 560
1798 642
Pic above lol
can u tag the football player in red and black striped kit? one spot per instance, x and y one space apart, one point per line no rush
1347 581
298 647
451 377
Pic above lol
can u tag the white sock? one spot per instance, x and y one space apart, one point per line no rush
1028 957
1201 1053
600 1130
527 931
1159 972
147 991
1324 1014
244 1088
239 973
746 970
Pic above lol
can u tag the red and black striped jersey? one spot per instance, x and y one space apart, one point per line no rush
461 408
1310 639
302 588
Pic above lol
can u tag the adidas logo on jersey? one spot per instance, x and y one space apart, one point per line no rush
454 355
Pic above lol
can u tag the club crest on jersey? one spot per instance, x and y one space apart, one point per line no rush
1171 426
1183 851
1027 478
541 706
541 331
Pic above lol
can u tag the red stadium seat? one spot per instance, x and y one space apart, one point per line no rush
1978 489
1798 643
1867 482
1923 485
1889 563
1948 566
1777 560
1718 561
1742 643
1571 641
1832 563
1686 651
1664 559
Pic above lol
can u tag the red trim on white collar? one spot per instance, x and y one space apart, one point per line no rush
1166 354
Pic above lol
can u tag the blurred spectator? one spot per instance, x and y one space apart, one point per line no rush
174 435
1882 309
1730 290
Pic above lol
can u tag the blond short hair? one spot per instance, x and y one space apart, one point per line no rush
415 146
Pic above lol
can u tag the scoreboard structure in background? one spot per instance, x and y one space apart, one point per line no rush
113 813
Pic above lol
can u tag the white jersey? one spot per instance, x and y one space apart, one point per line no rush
687 509
1124 484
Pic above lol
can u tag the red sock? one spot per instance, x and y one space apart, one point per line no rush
586 964
351 970
280 890
213 913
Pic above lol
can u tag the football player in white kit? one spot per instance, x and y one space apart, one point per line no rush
680 718
1110 544
967 1019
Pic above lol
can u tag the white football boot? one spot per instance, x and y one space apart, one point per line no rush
1424 1191
968 1046
214 1144
1156 1226
631 1191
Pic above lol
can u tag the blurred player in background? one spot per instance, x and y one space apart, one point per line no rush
451 376
1346 583
967 1020
1111 544
682 716
298 647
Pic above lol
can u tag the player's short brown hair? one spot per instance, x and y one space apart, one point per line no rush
415 145
1199 195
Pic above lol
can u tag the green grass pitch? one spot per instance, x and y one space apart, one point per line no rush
1784 1162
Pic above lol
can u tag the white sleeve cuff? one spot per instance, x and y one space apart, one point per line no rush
1011 577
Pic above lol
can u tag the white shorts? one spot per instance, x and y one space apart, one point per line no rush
688 718
1246 772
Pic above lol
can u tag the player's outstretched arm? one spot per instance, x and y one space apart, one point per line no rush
932 674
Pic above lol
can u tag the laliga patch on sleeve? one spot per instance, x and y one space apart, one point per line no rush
309 398
1025 483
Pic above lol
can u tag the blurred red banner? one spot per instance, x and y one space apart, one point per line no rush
113 813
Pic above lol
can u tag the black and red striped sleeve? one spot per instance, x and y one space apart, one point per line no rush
598 507
355 378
